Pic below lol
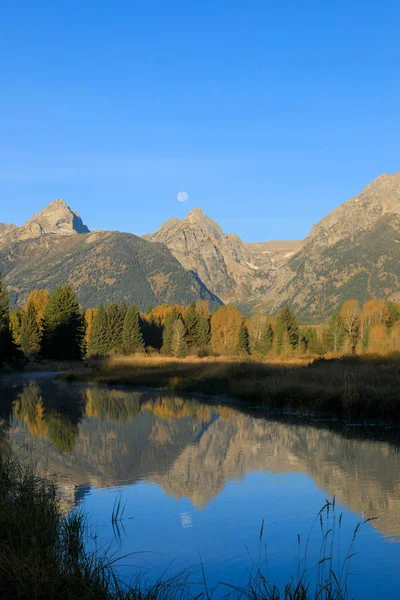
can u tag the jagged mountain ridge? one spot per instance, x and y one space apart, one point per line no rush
352 252
55 247
232 269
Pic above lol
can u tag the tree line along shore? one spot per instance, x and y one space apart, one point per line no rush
347 367
53 326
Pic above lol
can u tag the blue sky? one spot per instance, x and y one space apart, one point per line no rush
268 114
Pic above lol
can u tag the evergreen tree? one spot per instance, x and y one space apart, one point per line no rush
309 340
204 332
365 338
192 320
132 337
31 336
15 324
393 314
287 330
8 349
243 340
115 326
152 332
267 339
64 328
98 342
169 321
179 347
335 333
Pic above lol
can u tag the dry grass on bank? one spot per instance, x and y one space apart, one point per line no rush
353 388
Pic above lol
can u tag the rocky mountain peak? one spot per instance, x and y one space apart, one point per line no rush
197 218
56 218
380 197
5 227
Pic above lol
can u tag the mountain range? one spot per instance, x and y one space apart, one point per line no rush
55 247
354 252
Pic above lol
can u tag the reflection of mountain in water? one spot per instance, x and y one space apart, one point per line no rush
106 437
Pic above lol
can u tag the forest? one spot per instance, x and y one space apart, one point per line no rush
53 326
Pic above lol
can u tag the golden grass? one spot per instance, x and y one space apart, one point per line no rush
349 387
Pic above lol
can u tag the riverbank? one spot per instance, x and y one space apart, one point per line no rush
350 388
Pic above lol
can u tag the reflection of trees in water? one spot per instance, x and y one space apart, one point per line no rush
119 406
115 405
192 448
168 407
30 408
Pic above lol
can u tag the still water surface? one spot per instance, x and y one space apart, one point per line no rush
196 481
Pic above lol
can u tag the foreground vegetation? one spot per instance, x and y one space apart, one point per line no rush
350 388
43 555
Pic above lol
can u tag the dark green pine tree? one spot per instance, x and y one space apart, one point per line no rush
63 327
168 330
287 330
204 332
267 339
393 314
115 326
8 349
31 336
191 320
98 342
243 340
132 336
152 333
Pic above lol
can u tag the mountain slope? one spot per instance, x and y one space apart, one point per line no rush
101 266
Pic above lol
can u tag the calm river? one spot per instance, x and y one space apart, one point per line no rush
196 481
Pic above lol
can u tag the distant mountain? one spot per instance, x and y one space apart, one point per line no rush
55 247
354 252
233 270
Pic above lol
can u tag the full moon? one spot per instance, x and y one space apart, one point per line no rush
182 196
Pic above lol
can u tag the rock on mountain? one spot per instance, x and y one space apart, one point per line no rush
6 227
55 247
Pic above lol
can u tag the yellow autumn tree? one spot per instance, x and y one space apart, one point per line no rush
373 312
350 313
160 312
256 326
378 339
89 316
39 299
203 308
394 338
225 326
